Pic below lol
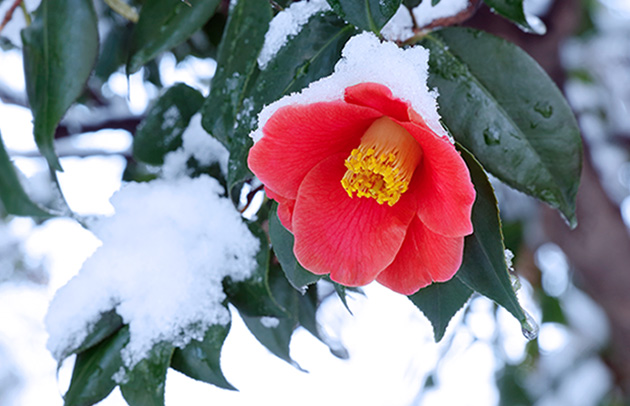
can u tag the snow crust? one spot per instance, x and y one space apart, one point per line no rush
366 59
163 257
400 26
425 13
198 144
286 24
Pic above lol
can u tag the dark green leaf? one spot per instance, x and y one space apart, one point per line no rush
369 15
551 309
277 339
342 292
282 243
93 370
161 131
513 11
508 113
164 24
60 48
238 50
13 196
484 268
253 296
114 51
201 360
308 304
109 323
440 301
306 57
411 3
145 382
435 2
6 44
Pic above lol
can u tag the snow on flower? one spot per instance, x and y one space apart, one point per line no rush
161 264
365 177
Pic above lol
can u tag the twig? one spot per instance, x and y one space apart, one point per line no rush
9 14
250 197
465 14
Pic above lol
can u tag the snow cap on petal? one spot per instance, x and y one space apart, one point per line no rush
366 59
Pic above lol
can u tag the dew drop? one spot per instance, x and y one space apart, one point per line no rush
516 283
491 136
543 109
529 327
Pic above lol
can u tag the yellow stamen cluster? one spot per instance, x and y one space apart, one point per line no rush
383 164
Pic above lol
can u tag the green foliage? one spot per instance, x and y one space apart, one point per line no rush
144 384
484 268
161 130
12 194
369 15
201 359
512 10
508 113
164 24
282 242
440 301
60 49
93 370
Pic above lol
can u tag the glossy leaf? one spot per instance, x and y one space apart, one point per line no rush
306 57
161 130
60 48
93 370
440 301
146 380
484 268
277 338
512 10
242 41
108 324
508 113
201 359
282 243
253 296
369 15
12 194
307 317
164 24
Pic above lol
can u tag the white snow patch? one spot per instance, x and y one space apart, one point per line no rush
170 117
399 27
288 23
269 322
196 143
163 257
425 13
366 59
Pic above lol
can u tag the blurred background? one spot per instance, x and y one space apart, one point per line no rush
575 284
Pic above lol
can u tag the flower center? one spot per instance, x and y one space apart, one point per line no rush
383 164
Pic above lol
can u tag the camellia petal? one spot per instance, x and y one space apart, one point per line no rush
447 193
296 138
424 257
353 239
285 208
378 97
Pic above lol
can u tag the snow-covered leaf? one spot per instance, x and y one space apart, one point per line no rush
201 359
93 370
144 384
161 130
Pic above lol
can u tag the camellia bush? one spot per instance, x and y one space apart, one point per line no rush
342 142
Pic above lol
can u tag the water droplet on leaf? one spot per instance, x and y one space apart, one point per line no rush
491 136
543 109
529 327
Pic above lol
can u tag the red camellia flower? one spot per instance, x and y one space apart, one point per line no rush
369 191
